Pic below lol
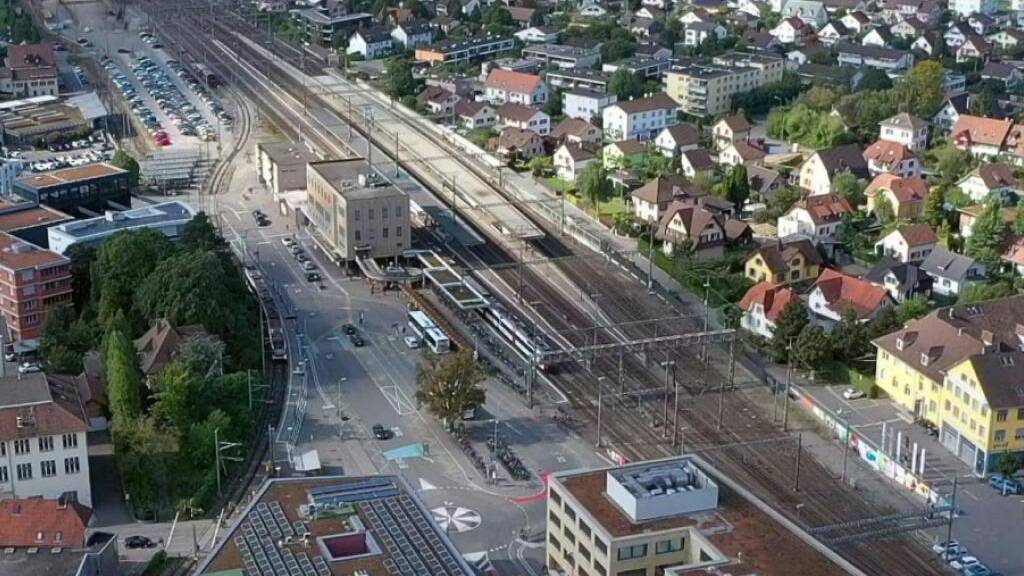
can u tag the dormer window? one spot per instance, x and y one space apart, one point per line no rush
899 343
40 536
924 359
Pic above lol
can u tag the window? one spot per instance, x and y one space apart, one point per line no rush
24 471
1000 436
570 514
48 468
70 441
631 552
21 446
58 536
3 448
384 213
1020 413
554 541
601 546
358 236
4 476
40 536
583 552
556 498
553 518
45 443
385 231
667 546
72 465
1001 416
584 529
1018 434
398 231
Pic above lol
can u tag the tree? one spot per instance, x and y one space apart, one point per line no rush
988 234
593 183
539 164
1018 221
885 322
122 262
143 450
850 337
179 387
884 212
553 107
625 85
848 186
873 79
123 378
788 327
82 256
739 187
951 163
400 80
125 161
1008 464
912 308
451 386
812 348
934 207
923 88
981 292
199 234
65 340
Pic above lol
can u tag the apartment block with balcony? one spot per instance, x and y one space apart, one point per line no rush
668 518
959 368
43 452
32 281
707 91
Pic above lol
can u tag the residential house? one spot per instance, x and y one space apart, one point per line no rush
905 195
791 30
785 260
835 292
877 37
909 29
652 52
576 131
508 86
817 172
969 216
674 140
1014 255
1008 74
815 216
652 199
761 41
642 28
472 115
741 153
855 22
730 129
763 182
519 144
910 243
995 178
639 119
762 305
1008 39
696 15
438 101
525 117
370 43
950 110
982 24
592 10
585 104
523 16
959 368
686 224
833 32
956 34
902 280
928 44
975 47
707 90
981 136
571 159
30 70
697 33
160 344
696 162
951 272
813 13
462 50
626 153
886 59
905 129
885 156
411 34
969 7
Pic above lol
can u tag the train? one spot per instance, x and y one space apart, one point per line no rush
515 332
257 284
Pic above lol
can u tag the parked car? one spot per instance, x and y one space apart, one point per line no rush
287 241
978 569
313 277
357 340
952 546
308 266
1006 484
348 329
29 367
412 342
961 563
138 542
852 394
382 433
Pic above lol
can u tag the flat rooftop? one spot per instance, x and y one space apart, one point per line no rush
355 179
560 50
335 526
165 212
736 526
70 175
17 213
29 389
16 254
703 72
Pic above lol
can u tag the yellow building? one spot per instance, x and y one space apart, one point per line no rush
784 262
959 368
708 90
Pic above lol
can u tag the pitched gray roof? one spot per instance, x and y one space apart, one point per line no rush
945 264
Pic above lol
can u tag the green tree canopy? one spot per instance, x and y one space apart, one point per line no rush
812 348
848 186
200 234
873 79
980 292
988 235
1018 222
125 161
450 386
400 79
934 207
625 85
788 327
923 88
593 183
951 163
124 379
850 337
123 261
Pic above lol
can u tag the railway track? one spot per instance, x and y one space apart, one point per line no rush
767 468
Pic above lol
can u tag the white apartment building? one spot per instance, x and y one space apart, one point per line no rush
965 8
707 90
905 129
585 104
639 119
43 451
355 211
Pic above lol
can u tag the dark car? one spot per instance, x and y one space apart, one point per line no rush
312 276
381 433
138 542
348 329
357 340
123 51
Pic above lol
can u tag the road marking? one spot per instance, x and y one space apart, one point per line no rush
424 485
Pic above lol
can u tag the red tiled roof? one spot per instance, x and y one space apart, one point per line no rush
748 152
888 153
905 189
31 522
996 175
842 291
825 208
736 122
657 102
30 56
773 299
918 234
512 81
571 126
1015 253
980 130
16 254
517 112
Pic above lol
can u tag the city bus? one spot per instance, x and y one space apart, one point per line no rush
428 332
